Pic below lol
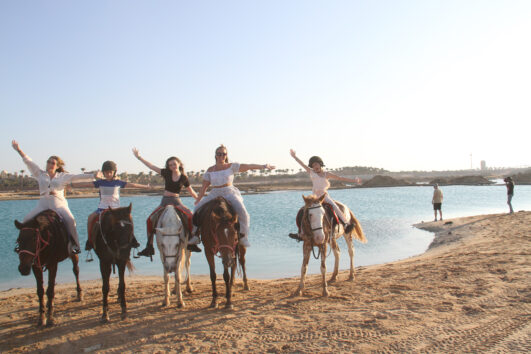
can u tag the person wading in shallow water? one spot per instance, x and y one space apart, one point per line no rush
175 179
52 183
437 200
510 192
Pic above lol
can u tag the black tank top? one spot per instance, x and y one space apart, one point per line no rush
171 185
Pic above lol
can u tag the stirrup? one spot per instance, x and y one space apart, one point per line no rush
89 257
135 253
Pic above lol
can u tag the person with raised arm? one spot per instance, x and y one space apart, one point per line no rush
52 182
220 178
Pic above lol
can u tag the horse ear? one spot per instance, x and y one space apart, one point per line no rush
322 198
305 198
129 208
18 225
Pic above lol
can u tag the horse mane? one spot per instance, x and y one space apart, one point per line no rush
219 207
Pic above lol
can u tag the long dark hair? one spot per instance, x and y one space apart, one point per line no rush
181 166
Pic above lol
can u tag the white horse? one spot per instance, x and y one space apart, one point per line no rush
172 241
319 228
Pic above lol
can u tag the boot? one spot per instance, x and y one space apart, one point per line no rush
193 248
88 246
244 241
148 251
295 237
134 242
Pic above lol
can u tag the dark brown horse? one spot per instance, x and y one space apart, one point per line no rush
217 223
113 235
43 243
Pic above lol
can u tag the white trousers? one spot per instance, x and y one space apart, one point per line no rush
60 206
233 196
338 211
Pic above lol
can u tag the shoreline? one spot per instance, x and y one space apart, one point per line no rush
469 292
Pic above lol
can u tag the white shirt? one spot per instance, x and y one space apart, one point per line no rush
319 184
56 184
223 177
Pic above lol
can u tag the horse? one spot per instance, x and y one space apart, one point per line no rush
113 235
319 227
43 243
218 227
172 241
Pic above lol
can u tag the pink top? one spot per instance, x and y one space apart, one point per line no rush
319 184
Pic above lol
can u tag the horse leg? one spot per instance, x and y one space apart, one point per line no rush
323 271
75 263
212 266
306 249
167 295
337 253
350 247
37 272
242 262
105 270
50 293
121 289
178 290
228 285
189 288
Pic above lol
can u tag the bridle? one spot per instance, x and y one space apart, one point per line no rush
318 206
40 244
113 253
164 256
216 248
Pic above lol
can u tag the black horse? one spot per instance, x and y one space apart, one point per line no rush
218 225
113 237
42 243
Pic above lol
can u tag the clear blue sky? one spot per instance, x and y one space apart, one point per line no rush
394 84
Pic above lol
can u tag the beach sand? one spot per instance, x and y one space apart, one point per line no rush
470 292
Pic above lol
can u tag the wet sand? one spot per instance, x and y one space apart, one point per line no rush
470 292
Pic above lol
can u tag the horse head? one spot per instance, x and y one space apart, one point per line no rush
170 233
31 240
117 227
224 229
313 218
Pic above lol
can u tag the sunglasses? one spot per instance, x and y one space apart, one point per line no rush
51 162
221 154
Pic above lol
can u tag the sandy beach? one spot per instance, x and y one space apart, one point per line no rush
470 292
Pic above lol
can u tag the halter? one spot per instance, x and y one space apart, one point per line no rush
170 235
111 251
319 206
40 244
217 247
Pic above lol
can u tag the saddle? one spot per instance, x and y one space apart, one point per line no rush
198 214
330 213
153 219
51 221
93 224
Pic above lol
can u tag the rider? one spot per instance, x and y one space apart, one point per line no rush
220 178
52 183
175 179
109 189
320 185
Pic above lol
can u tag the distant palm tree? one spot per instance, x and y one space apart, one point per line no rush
21 179
83 169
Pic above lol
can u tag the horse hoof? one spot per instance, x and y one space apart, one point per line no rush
173 292
297 292
50 323
189 290
326 293
213 305
332 280
104 319
246 287
180 305
79 297
229 307
123 315
351 278
41 323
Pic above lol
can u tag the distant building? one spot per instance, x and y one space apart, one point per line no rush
3 174
483 165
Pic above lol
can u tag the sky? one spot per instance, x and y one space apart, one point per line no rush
399 85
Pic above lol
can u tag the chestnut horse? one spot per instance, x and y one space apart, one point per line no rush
217 223
113 235
320 228
43 242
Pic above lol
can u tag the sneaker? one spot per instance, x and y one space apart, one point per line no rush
147 252
76 250
244 241
134 243
295 237
194 240
193 248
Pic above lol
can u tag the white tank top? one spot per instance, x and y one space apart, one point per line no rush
319 184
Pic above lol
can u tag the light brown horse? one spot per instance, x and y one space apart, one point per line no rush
217 223
318 229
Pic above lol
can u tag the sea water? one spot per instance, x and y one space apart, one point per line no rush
386 215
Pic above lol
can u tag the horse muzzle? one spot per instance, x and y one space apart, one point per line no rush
227 259
24 269
318 237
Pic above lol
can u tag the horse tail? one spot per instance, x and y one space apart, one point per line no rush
130 266
358 231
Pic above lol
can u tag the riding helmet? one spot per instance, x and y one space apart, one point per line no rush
315 159
108 166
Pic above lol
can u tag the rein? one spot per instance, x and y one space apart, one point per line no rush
217 247
40 244
111 251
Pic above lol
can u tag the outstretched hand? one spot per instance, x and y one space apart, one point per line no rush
15 146
269 167
136 153
292 153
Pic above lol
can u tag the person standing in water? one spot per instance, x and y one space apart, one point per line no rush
436 200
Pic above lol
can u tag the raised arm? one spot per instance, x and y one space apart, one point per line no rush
145 162
32 166
344 179
292 153
246 167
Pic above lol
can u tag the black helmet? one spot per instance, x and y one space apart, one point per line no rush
315 159
108 166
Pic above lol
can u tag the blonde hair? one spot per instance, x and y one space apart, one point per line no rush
60 163
226 156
